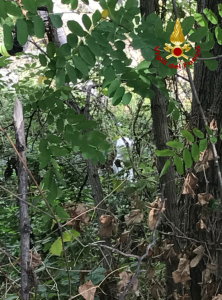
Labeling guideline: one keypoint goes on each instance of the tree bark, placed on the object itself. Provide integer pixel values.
(23, 206)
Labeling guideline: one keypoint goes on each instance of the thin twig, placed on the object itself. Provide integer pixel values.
(6, 276)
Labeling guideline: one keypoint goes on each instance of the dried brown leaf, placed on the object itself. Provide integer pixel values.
(213, 125)
(88, 290)
(78, 215)
(157, 290)
(201, 225)
(135, 217)
(150, 272)
(35, 259)
(155, 212)
(123, 239)
(195, 261)
(108, 226)
(204, 198)
(125, 279)
(190, 184)
(205, 156)
(218, 297)
(182, 274)
(199, 250)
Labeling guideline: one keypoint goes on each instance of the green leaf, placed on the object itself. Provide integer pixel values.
(126, 98)
(8, 39)
(56, 248)
(209, 131)
(179, 165)
(211, 16)
(80, 65)
(60, 125)
(165, 168)
(175, 144)
(198, 133)
(96, 17)
(62, 214)
(207, 46)
(51, 49)
(60, 78)
(87, 55)
(61, 62)
(72, 73)
(220, 9)
(187, 135)
(39, 27)
(118, 95)
(218, 33)
(56, 21)
(87, 124)
(195, 152)
(2, 9)
(201, 20)
(86, 21)
(44, 158)
(64, 50)
(30, 5)
(203, 145)
(13, 9)
(72, 40)
(59, 151)
(176, 114)
(94, 47)
(187, 158)
(54, 139)
(213, 139)
(43, 60)
(43, 145)
(113, 87)
(198, 35)
(50, 119)
(211, 64)
(70, 236)
(171, 107)
(97, 275)
(76, 28)
(148, 54)
(74, 4)
(86, 1)
(187, 25)
(22, 32)
(165, 152)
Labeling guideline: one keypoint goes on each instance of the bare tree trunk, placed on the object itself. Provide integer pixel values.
(23, 206)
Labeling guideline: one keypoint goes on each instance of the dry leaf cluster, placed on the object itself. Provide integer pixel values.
(204, 198)
(88, 290)
(125, 279)
(78, 215)
(182, 274)
(155, 212)
(135, 217)
(205, 157)
(108, 227)
(190, 184)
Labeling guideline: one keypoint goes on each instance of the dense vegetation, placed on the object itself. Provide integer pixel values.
(71, 227)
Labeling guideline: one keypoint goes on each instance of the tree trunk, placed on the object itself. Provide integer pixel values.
(161, 137)
(23, 206)
(208, 85)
